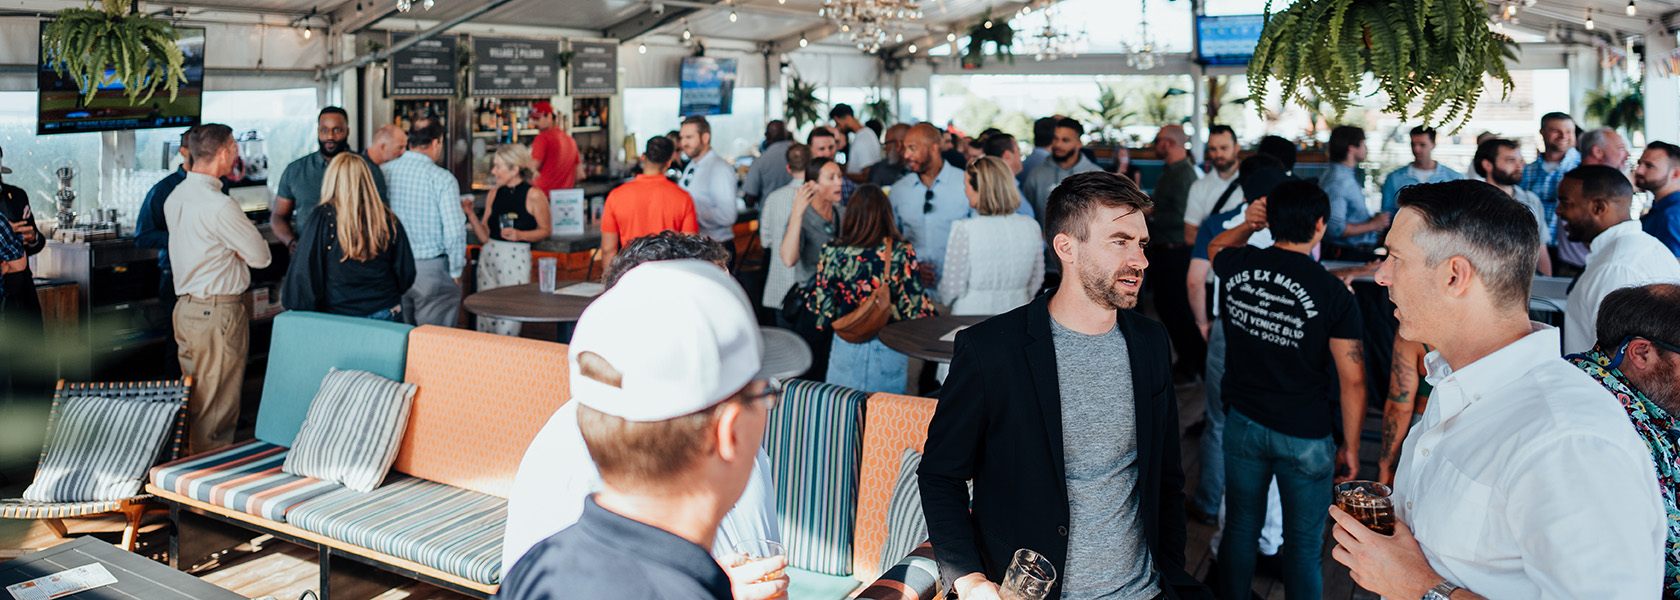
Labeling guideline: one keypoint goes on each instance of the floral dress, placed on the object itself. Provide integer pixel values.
(846, 275)
(1660, 430)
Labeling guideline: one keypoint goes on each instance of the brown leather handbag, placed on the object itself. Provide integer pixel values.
(866, 321)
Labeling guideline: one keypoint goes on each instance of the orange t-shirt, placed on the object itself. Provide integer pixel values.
(647, 205)
(555, 156)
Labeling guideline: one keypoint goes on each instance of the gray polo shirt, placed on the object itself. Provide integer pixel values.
(1046, 176)
(301, 183)
(769, 171)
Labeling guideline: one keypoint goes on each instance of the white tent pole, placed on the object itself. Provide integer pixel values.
(1662, 94)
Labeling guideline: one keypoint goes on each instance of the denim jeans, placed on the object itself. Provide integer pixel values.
(869, 367)
(1212, 450)
(1304, 469)
(393, 314)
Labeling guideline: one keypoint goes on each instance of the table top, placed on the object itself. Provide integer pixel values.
(528, 304)
(137, 576)
(919, 338)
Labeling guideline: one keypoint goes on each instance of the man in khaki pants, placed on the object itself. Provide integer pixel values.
(213, 247)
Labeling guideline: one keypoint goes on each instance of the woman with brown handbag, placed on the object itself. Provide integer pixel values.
(865, 279)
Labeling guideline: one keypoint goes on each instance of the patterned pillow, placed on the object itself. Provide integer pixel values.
(906, 525)
(101, 448)
(355, 424)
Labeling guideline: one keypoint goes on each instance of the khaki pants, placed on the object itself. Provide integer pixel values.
(214, 337)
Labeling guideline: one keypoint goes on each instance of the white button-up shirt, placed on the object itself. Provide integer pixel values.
(1525, 480)
(710, 180)
(1624, 255)
(1205, 193)
(212, 245)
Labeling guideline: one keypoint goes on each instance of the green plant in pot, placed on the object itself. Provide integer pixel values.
(1435, 53)
(1621, 107)
(879, 109)
(802, 106)
(996, 31)
(97, 47)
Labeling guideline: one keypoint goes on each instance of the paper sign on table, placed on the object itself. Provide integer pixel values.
(952, 336)
(62, 583)
(586, 290)
(566, 208)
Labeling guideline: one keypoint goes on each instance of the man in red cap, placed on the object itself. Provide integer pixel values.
(554, 153)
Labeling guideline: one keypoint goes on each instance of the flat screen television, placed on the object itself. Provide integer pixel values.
(708, 86)
(61, 108)
(1228, 40)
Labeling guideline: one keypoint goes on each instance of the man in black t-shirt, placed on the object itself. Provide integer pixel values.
(1298, 328)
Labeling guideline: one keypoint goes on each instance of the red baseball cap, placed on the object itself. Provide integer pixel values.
(542, 107)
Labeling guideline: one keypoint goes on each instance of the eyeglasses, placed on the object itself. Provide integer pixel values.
(772, 394)
(1621, 349)
(927, 205)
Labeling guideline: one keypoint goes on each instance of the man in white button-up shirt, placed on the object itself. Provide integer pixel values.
(1524, 478)
(1594, 207)
(710, 180)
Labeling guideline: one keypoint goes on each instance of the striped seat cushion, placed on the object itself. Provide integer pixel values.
(244, 477)
(24, 509)
(99, 449)
(914, 578)
(814, 443)
(352, 430)
(444, 527)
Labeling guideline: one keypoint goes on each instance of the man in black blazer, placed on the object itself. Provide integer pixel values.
(1062, 413)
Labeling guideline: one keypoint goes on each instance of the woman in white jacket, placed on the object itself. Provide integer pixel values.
(995, 260)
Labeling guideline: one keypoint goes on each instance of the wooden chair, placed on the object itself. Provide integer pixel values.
(577, 266)
(749, 254)
(133, 509)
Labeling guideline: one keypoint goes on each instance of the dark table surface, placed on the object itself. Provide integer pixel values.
(919, 338)
(528, 304)
(137, 576)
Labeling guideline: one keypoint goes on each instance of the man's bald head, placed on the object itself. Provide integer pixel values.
(926, 132)
(892, 142)
(1170, 143)
(921, 149)
(389, 141)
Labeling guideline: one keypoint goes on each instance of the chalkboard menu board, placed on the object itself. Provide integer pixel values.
(515, 67)
(594, 69)
(424, 70)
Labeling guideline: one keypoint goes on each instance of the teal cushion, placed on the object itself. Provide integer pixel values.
(814, 440)
(810, 585)
(305, 346)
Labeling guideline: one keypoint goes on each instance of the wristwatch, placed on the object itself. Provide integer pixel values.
(1441, 591)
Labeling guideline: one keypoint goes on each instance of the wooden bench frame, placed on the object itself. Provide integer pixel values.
(328, 547)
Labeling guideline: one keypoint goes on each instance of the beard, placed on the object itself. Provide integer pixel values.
(1099, 286)
(1063, 157)
(1506, 177)
(1662, 390)
(1223, 163)
(331, 148)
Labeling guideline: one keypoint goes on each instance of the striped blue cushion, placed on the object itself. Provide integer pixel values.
(101, 448)
(354, 427)
(814, 443)
(245, 477)
(444, 527)
(906, 526)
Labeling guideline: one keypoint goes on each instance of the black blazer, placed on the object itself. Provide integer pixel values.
(999, 424)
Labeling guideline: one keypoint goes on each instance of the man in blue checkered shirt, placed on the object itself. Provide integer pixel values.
(426, 198)
(12, 257)
(1557, 133)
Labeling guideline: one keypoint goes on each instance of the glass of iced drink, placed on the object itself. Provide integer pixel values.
(1029, 576)
(1369, 502)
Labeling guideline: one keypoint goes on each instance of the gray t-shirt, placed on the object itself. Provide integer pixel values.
(1107, 556)
(814, 233)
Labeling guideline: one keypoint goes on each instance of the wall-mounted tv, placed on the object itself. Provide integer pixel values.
(1228, 40)
(61, 107)
(708, 86)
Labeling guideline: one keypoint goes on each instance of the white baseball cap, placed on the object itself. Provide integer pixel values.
(682, 336)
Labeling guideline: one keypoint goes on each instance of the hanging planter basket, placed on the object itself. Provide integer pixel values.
(97, 47)
(802, 106)
(1433, 52)
(999, 33)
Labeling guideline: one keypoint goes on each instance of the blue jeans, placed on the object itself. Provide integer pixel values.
(1212, 450)
(1304, 469)
(869, 367)
(393, 314)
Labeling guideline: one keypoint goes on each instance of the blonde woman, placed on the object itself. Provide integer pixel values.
(352, 255)
(513, 218)
(994, 261)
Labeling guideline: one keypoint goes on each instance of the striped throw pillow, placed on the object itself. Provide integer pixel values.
(101, 448)
(355, 424)
(906, 525)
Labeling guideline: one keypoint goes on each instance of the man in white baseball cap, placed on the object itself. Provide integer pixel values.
(674, 381)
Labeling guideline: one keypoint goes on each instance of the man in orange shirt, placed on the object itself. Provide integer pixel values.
(648, 204)
(554, 153)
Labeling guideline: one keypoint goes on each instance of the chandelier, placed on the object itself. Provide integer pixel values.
(870, 23)
(1141, 54)
(1051, 42)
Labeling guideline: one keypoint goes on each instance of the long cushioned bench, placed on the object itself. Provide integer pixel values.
(441, 513)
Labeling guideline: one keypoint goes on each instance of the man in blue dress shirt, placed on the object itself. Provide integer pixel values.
(1659, 173)
(1423, 169)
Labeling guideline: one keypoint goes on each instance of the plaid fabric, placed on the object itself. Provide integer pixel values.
(24, 509)
(11, 248)
(814, 440)
(426, 200)
(916, 577)
(1544, 185)
(244, 477)
(443, 527)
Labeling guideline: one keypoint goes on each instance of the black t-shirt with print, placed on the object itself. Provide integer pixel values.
(1281, 309)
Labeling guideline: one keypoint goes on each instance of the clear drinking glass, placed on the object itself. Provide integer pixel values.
(1029, 576)
(1368, 501)
(756, 550)
(545, 274)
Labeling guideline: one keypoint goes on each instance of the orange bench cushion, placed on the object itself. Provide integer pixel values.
(482, 398)
(892, 424)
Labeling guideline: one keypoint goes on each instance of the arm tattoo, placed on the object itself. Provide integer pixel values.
(1402, 376)
(1391, 436)
(1356, 353)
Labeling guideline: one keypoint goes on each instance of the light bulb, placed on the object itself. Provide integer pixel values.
(427, 4)
(1589, 22)
(988, 23)
(802, 42)
(951, 37)
(641, 48)
(912, 48)
(687, 35)
(1510, 10)
(898, 38)
(307, 32)
(1631, 9)
(732, 17)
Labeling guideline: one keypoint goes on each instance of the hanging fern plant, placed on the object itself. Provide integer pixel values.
(802, 106)
(879, 109)
(998, 32)
(1433, 51)
(1622, 108)
(99, 46)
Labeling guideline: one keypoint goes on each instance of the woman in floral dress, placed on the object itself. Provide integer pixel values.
(849, 271)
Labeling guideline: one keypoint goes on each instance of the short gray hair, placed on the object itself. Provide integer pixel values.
(1492, 231)
(1594, 138)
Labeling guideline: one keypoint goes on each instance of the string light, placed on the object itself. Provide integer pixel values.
(307, 32)
(912, 48)
(988, 23)
(802, 42)
(641, 48)
(1589, 23)
(898, 38)
(732, 17)
(1631, 9)
(951, 37)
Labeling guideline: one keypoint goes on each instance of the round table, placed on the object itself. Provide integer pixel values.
(919, 338)
(528, 304)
